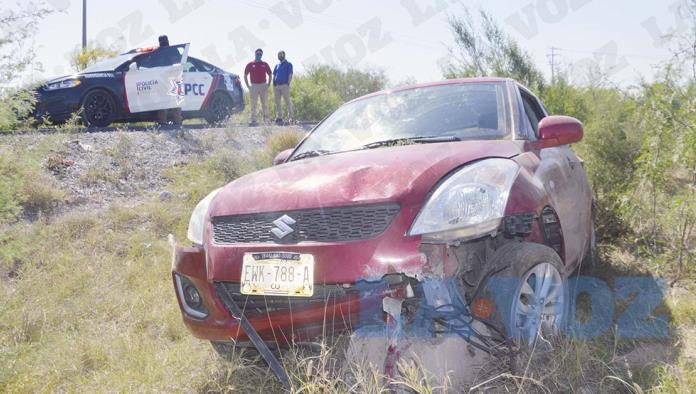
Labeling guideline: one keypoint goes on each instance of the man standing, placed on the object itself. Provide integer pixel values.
(164, 115)
(282, 76)
(259, 86)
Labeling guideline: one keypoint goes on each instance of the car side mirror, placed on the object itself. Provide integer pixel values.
(559, 130)
(282, 157)
(133, 66)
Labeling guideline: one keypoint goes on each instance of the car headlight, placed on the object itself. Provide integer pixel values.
(196, 225)
(65, 84)
(468, 203)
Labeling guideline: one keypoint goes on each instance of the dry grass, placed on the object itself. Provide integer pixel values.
(88, 306)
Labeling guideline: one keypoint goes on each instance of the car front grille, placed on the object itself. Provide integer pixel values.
(324, 295)
(337, 224)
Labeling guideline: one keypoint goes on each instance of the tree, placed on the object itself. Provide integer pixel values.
(17, 27)
(82, 58)
(319, 91)
(483, 49)
(348, 83)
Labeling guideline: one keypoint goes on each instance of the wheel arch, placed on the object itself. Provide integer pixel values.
(213, 93)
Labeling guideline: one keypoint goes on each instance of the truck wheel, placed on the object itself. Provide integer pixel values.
(528, 292)
(219, 109)
(98, 109)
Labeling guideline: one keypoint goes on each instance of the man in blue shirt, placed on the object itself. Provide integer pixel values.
(282, 76)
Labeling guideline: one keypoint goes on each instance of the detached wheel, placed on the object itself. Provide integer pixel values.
(98, 109)
(528, 292)
(219, 108)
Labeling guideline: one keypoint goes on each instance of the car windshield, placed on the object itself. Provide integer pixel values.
(459, 111)
(109, 64)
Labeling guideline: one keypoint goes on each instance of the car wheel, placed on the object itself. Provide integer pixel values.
(98, 109)
(219, 108)
(528, 292)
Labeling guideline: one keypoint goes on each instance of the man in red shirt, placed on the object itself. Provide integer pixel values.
(258, 88)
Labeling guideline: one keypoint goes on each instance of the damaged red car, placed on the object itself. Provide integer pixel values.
(464, 180)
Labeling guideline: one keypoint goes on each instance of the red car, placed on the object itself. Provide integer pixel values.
(463, 180)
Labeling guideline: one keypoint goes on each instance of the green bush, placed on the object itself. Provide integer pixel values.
(322, 89)
(17, 28)
(16, 106)
(312, 101)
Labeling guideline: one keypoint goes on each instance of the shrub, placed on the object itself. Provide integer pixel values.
(82, 58)
(40, 196)
(17, 27)
(322, 89)
(313, 101)
(282, 140)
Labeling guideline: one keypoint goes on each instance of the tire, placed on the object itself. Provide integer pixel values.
(219, 108)
(98, 109)
(526, 271)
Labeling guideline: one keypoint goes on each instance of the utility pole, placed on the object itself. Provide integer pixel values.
(552, 62)
(84, 24)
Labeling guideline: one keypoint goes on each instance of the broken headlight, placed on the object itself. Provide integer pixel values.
(468, 203)
(196, 225)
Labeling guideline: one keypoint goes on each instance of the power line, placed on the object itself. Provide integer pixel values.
(552, 62)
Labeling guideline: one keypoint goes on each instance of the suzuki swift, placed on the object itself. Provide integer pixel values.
(463, 180)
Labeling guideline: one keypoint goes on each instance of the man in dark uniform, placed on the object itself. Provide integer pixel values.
(173, 113)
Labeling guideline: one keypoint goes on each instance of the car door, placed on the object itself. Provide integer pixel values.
(198, 81)
(563, 175)
(154, 80)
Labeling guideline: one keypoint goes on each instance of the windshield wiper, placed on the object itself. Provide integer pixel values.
(411, 140)
(310, 153)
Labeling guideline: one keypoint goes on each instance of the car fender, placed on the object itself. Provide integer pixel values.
(529, 195)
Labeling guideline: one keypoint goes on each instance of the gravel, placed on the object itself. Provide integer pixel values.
(96, 169)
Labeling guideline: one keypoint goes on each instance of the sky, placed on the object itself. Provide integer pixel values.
(408, 39)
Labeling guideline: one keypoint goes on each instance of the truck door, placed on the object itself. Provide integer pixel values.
(198, 82)
(154, 80)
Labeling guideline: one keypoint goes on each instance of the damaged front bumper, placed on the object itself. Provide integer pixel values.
(334, 308)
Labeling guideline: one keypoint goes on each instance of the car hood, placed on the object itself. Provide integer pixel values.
(403, 174)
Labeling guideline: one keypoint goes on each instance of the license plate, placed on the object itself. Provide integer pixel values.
(277, 273)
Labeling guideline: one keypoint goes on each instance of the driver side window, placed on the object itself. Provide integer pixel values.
(533, 110)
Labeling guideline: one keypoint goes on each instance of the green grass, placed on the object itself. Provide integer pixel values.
(88, 306)
(25, 188)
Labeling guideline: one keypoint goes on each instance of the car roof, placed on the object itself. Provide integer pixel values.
(457, 81)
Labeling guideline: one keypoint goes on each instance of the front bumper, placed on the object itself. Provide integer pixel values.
(57, 105)
(333, 309)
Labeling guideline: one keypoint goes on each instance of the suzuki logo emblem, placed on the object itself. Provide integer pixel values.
(282, 226)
